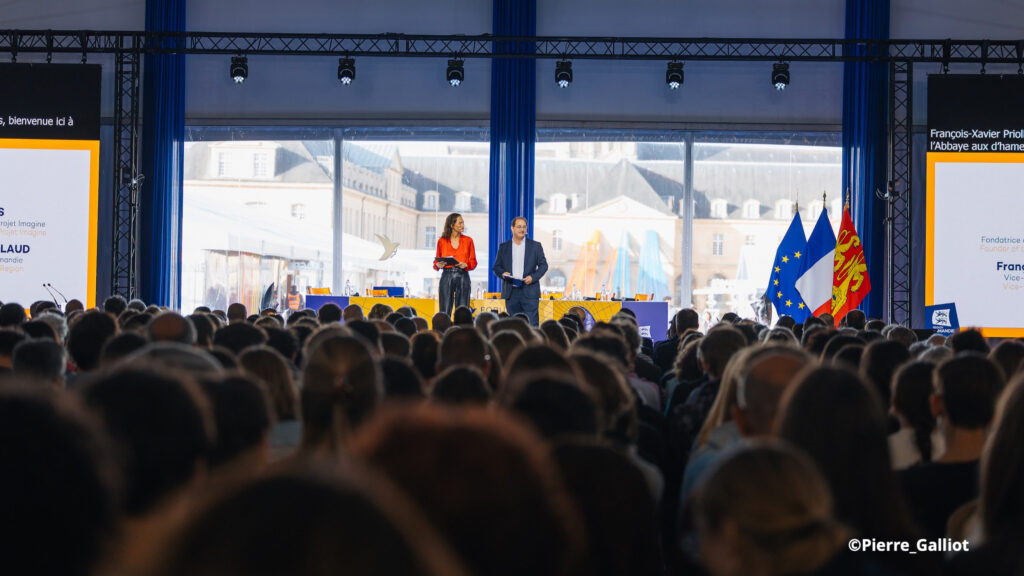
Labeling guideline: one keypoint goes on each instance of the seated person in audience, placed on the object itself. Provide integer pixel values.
(41, 359)
(171, 327)
(163, 429)
(463, 345)
(311, 522)
(351, 312)
(554, 403)
(1008, 355)
(272, 368)
(237, 313)
(835, 417)
(714, 352)
(969, 340)
(9, 338)
(1001, 505)
(459, 385)
(665, 352)
(86, 338)
(918, 438)
(58, 482)
(488, 456)
(792, 531)
(963, 400)
(341, 387)
(12, 315)
(242, 417)
(880, 361)
(758, 378)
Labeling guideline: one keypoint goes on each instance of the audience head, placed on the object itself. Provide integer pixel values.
(440, 323)
(425, 349)
(331, 312)
(744, 532)
(12, 314)
(1001, 506)
(464, 345)
(351, 312)
(401, 379)
(379, 312)
(115, 304)
(880, 361)
(903, 335)
(463, 316)
(41, 359)
(162, 427)
(507, 343)
(855, 319)
(59, 484)
(268, 365)
(911, 389)
(966, 388)
(405, 326)
(171, 327)
(555, 404)
(685, 319)
(533, 530)
(968, 341)
(312, 522)
(87, 337)
(717, 347)
(460, 385)
(242, 416)
(395, 344)
(835, 417)
(237, 313)
(341, 386)
(764, 377)
(37, 329)
(239, 336)
(1008, 355)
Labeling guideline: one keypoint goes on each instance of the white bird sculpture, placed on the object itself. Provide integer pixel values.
(390, 248)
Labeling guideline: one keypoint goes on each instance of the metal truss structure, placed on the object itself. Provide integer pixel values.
(900, 55)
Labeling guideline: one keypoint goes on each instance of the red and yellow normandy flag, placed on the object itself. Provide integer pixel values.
(850, 282)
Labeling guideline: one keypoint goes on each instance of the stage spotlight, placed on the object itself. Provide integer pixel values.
(239, 69)
(780, 75)
(456, 71)
(563, 73)
(674, 75)
(346, 70)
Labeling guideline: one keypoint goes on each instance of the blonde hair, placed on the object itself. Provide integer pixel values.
(780, 506)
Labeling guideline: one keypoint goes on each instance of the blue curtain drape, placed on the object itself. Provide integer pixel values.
(513, 114)
(163, 149)
(865, 141)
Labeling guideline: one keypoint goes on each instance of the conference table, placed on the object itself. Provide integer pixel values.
(652, 317)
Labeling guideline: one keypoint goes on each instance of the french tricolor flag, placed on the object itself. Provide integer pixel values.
(818, 265)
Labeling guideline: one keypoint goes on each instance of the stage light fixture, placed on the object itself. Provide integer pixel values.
(563, 73)
(780, 75)
(346, 70)
(674, 75)
(456, 71)
(239, 69)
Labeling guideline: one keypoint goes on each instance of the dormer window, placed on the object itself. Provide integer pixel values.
(463, 202)
(719, 208)
(430, 200)
(558, 204)
(783, 210)
(752, 209)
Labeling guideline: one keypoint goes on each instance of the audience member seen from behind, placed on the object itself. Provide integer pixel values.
(963, 401)
(270, 367)
(496, 496)
(918, 438)
(1001, 505)
(743, 530)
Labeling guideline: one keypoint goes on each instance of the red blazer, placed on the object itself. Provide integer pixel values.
(465, 252)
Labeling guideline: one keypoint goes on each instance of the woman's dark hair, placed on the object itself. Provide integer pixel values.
(833, 416)
(425, 347)
(878, 364)
(911, 390)
(449, 222)
(1002, 471)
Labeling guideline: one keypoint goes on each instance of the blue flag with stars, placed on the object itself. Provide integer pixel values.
(788, 259)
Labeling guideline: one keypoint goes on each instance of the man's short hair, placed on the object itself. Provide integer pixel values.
(115, 304)
(171, 327)
(39, 358)
(331, 312)
(463, 345)
(237, 312)
(162, 426)
(518, 218)
(856, 319)
(12, 314)
(237, 337)
(241, 411)
(969, 384)
(88, 335)
(686, 319)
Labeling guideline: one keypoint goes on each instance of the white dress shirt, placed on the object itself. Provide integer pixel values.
(518, 258)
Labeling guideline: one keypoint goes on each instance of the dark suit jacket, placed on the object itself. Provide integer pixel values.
(535, 265)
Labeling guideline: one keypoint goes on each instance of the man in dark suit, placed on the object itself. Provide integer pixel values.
(520, 264)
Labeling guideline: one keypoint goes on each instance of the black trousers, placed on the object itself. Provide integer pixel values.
(453, 291)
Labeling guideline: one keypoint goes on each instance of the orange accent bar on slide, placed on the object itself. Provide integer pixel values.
(93, 147)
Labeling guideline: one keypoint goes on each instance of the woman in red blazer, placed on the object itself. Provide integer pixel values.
(455, 288)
